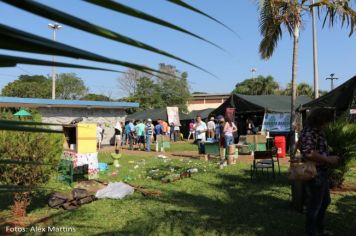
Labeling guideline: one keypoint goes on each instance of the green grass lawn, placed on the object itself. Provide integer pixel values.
(211, 202)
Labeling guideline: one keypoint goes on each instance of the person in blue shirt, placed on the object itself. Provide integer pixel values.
(125, 139)
(130, 133)
(158, 130)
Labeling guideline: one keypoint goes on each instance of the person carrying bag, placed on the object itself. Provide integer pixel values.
(314, 150)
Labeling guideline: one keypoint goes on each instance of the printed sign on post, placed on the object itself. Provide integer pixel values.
(173, 115)
(279, 122)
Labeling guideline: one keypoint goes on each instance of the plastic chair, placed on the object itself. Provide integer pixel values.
(262, 160)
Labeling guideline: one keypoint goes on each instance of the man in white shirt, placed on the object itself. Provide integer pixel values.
(211, 128)
(200, 130)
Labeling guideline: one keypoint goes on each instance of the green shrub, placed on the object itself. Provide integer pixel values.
(341, 138)
(37, 156)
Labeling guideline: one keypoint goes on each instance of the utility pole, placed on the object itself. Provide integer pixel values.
(54, 27)
(253, 71)
(315, 57)
(331, 78)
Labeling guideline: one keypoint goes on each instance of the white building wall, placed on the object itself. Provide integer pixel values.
(64, 115)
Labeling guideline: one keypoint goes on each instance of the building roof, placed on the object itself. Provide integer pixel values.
(211, 95)
(338, 98)
(205, 113)
(39, 102)
(259, 103)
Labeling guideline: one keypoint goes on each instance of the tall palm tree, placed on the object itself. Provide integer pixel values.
(275, 14)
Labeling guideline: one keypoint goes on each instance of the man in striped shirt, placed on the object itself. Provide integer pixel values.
(149, 133)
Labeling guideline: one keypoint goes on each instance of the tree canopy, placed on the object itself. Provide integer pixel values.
(28, 86)
(171, 89)
(257, 86)
(95, 97)
(68, 86)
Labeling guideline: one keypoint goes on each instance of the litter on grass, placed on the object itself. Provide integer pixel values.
(116, 190)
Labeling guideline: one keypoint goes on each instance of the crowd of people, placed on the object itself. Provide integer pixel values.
(220, 129)
(140, 134)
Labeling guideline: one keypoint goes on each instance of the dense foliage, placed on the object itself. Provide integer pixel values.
(341, 138)
(68, 86)
(95, 97)
(171, 89)
(27, 161)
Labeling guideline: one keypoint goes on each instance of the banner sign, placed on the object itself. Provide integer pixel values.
(278, 122)
(352, 111)
(173, 115)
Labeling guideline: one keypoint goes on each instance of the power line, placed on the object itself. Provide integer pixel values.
(26, 71)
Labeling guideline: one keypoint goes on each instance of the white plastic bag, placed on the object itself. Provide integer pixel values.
(116, 190)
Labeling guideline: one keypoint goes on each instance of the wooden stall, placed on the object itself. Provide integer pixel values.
(80, 151)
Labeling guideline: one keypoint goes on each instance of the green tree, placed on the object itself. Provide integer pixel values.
(289, 13)
(148, 94)
(70, 86)
(257, 86)
(27, 160)
(95, 97)
(174, 88)
(28, 86)
(303, 89)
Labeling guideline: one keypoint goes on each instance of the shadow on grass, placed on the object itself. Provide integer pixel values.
(249, 209)
(343, 222)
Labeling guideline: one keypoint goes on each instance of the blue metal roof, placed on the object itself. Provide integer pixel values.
(39, 102)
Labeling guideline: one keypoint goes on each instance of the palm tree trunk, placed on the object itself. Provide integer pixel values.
(294, 89)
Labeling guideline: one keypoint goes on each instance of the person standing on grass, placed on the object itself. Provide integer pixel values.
(313, 146)
(200, 130)
(229, 130)
(171, 128)
(118, 133)
(164, 127)
(211, 128)
(99, 135)
(176, 133)
(219, 128)
(191, 130)
(158, 130)
(149, 132)
(140, 134)
(131, 133)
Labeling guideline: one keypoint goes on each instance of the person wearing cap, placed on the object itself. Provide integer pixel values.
(149, 132)
(211, 128)
(200, 130)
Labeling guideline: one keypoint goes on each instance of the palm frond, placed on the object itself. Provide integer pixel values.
(118, 7)
(270, 30)
(60, 16)
(9, 188)
(338, 10)
(11, 61)
(21, 162)
(15, 39)
(20, 122)
(191, 8)
(13, 127)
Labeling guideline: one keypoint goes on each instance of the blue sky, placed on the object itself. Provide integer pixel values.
(336, 50)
